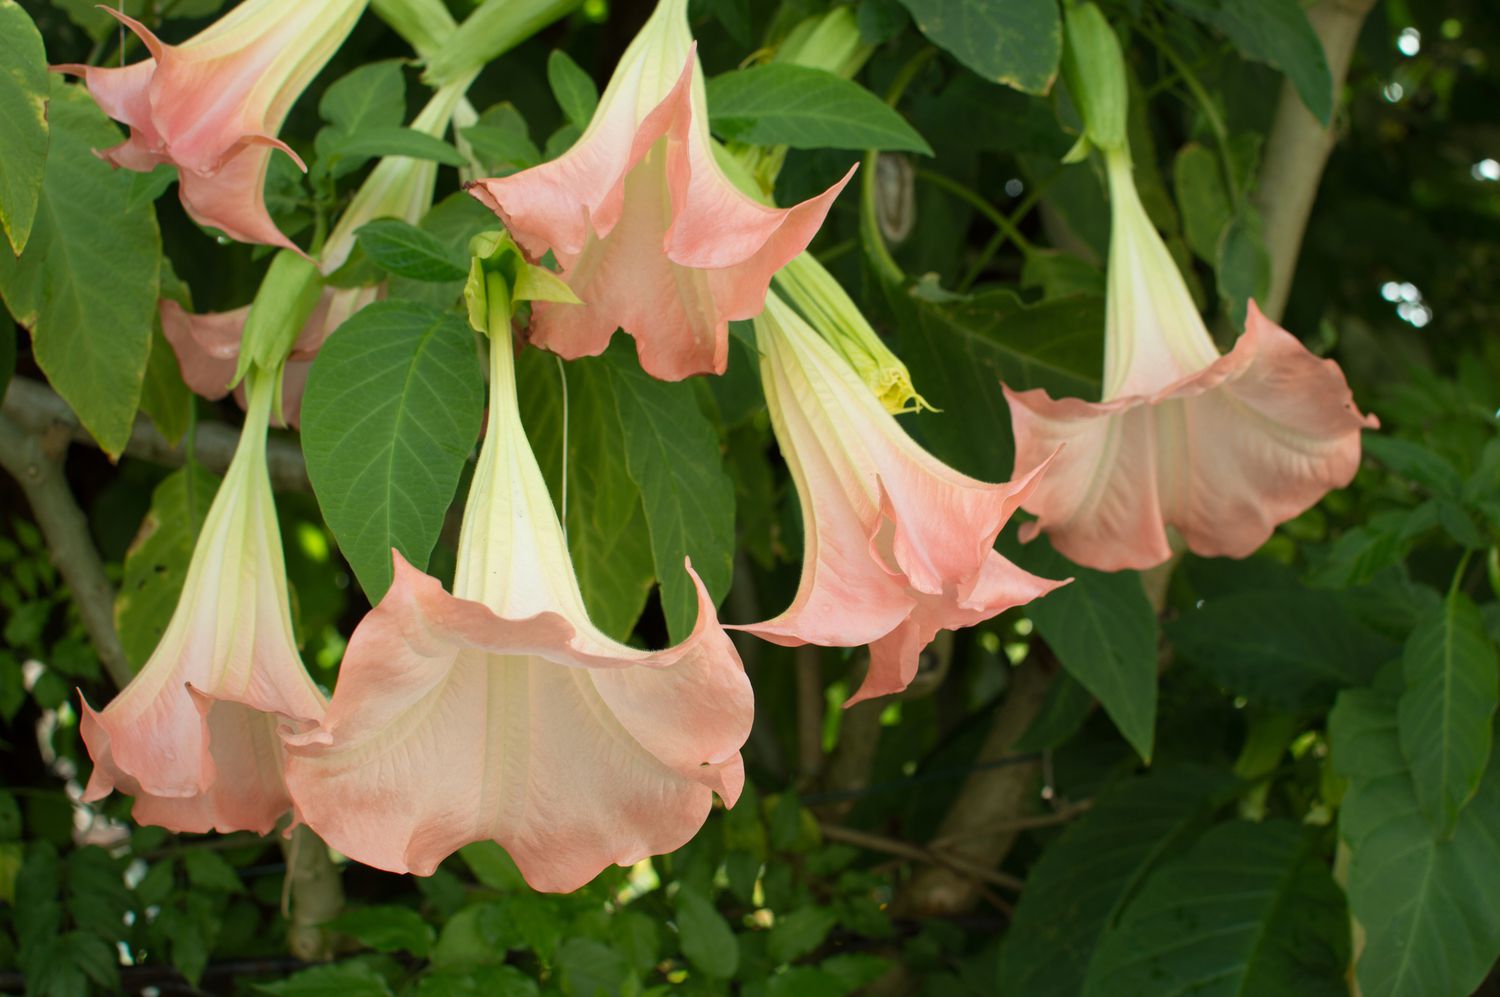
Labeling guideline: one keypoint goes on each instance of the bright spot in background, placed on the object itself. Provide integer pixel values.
(1013, 187)
(1394, 92)
(1485, 169)
(1407, 298)
(1452, 29)
(1409, 41)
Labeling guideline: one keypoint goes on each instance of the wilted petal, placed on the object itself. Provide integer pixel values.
(502, 713)
(650, 234)
(897, 544)
(1223, 456)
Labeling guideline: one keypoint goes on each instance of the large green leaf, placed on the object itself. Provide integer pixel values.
(400, 248)
(1017, 43)
(605, 521)
(23, 122)
(1287, 646)
(574, 89)
(1102, 628)
(707, 940)
(784, 104)
(1085, 878)
(1429, 908)
(960, 351)
(372, 96)
(1201, 199)
(156, 563)
(392, 410)
(1277, 33)
(86, 285)
(672, 454)
(1446, 713)
(1250, 911)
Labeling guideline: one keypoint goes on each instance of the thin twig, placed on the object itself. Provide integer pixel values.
(35, 407)
(35, 461)
(809, 671)
(905, 849)
(1063, 815)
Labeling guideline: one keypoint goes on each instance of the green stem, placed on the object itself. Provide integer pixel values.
(907, 73)
(998, 240)
(1205, 104)
(981, 205)
(876, 250)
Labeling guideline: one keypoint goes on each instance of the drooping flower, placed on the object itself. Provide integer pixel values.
(502, 713)
(213, 105)
(193, 736)
(650, 234)
(1219, 449)
(897, 544)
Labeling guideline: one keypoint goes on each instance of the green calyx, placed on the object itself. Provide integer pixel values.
(500, 278)
(286, 300)
(1094, 67)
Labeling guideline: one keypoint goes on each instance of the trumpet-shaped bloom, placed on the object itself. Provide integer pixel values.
(207, 345)
(1218, 448)
(500, 712)
(650, 233)
(897, 544)
(193, 736)
(212, 106)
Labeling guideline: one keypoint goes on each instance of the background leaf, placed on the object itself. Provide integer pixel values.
(24, 90)
(88, 298)
(784, 104)
(1251, 909)
(1017, 43)
(575, 91)
(385, 478)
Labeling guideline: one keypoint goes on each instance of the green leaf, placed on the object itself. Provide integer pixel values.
(1446, 713)
(492, 866)
(156, 563)
(672, 454)
(1277, 33)
(589, 968)
(1084, 878)
(575, 91)
(86, 285)
(1243, 267)
(207, 870)
(23, 122)
(346, 151)
(784, 104)
(1417, 463)
(502, 150)
(1063, 712)
(1017, 43)
(165, 399)
(707, 941)
(406, 251)
(1102, 628)
(796, 934)
(372, 96)
(386, 929)
(1286, 647)
(960, 351)
(347, 979)
(1201, 199)
(1429, 908)
(606, 522)
(392, 410)
(1251, 909)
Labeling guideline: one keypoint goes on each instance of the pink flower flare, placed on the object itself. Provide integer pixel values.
(193, 736)
(650, 233)
(1219, 449)
(501, 712)
(212, 106)
(897, 544)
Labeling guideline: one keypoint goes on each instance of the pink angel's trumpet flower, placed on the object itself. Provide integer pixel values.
(1219, 449)
(502, 713)
(897, 544)
(212, 106)
(193, 736)
(207, 345)
(650, 233)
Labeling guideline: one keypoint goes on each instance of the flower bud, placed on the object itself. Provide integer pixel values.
(1094, 68)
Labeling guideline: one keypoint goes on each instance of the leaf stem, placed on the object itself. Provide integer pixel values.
(1205, 105)
(998, 240)
(980, 204)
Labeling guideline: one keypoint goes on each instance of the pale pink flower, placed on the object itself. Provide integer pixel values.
(212, 106)
(650, 233)
(193, 736)
(897, 545)
(1219, 449)
(502, 713)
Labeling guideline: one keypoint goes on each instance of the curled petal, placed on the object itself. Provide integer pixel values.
(1222, 456)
